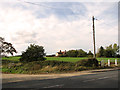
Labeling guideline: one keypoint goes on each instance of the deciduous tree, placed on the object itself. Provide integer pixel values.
(6, 48)
(33, 53)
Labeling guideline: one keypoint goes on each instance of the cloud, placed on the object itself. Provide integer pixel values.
(22, 26)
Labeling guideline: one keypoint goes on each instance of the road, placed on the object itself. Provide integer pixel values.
(107, 79)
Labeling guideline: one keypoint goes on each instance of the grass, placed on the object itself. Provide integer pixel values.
(75, 59)
(12, 58)
(66, 59)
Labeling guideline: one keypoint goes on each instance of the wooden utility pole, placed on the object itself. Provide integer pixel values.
(94, 56)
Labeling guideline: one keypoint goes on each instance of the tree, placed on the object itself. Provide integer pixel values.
(72, 53)
(6, 48)
(110, 52)
(33, 53)
(101, 52)
(81, 53)
(90, 54)
(116, 49)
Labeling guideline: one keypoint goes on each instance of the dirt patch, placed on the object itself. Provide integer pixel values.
(22, 77)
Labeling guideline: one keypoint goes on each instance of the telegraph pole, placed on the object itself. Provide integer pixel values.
(94, 56)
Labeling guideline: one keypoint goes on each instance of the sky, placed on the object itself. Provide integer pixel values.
(58, 25)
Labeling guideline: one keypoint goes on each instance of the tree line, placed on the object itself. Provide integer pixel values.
(38, 51)
(77, 53)
(109, 51)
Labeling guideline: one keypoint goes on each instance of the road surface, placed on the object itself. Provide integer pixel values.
(106, 79)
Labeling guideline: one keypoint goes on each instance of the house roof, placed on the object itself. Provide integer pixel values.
(60, 52)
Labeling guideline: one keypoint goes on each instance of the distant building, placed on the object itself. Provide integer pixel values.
(60, 53)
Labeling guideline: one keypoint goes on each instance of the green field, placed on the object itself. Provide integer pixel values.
(12, 58)
(67, 59)
(75, 59)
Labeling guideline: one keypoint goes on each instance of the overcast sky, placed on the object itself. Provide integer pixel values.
(58, 25)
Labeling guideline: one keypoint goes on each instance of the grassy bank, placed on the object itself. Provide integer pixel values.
(38, 67)
(48, 66)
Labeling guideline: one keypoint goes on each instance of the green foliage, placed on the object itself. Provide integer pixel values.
(37, 67)
(109, 51)
(81, 53)
(101, 52)
(87, 62)
(72, 53)
(66, 59)
(11, 58)
(115, 47)
(76, 53)
(33, 53)
(41, 66)
(90, 54)
(6, 48)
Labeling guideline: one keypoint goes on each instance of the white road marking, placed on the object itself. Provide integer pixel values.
(54, 86)
(89, 80)
(97, 79)
(103, 77)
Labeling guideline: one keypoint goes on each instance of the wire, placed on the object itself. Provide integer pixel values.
(49, 7)
(43, 5)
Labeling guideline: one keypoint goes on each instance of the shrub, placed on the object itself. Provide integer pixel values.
(33, 53)
(87, 62)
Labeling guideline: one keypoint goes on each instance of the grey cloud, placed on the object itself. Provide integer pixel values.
(30, 41)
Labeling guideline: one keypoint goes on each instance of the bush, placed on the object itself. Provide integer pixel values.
(87, 63)
(33, 53)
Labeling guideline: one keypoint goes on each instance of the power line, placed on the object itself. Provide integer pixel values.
(43, 5)
(49, 7)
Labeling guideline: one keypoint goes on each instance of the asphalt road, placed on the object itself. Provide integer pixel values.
(107, 79)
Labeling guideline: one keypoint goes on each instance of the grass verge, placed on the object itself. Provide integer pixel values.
(51, 66)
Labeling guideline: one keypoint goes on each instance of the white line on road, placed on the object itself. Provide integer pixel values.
(54, 86)
(89, 80)
(97, 79)
(103, 77)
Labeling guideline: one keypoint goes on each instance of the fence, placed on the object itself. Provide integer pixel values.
(102, 63)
